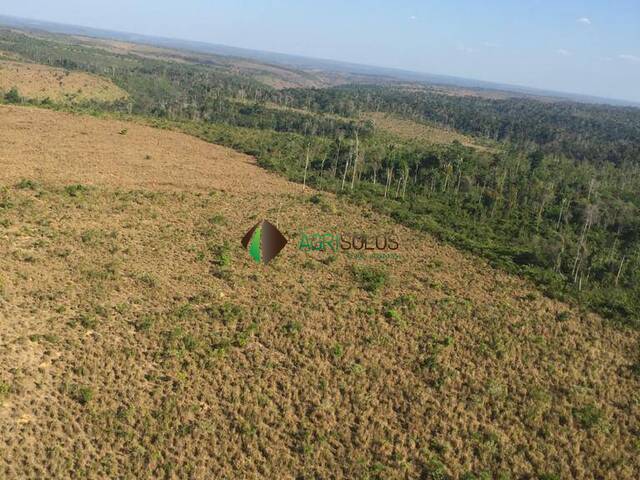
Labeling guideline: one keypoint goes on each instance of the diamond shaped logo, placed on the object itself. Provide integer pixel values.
(264, 242)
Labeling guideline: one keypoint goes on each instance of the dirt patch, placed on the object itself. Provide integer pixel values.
(139, 340)
(411, 130)
(39, 82)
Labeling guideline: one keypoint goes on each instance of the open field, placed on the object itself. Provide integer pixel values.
(138, 339)
(120, 155)
(39, 82)
(410, 130)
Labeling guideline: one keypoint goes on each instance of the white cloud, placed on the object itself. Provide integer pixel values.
(629, 58)
(584, 21)
(563, 52)
(490, 45)
(465, 49)
(413, 18)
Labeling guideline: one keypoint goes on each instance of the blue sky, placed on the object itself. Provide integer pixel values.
(589, 47)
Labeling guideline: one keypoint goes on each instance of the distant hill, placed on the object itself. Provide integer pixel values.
(344, 70)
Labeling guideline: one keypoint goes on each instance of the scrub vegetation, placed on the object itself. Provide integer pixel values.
(140, 340)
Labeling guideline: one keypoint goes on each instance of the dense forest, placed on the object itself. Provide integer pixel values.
(584, 132)
(556, 199)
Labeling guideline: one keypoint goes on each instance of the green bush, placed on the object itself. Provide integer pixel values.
(75, 190)
(588, 416)
(26, 184)
(5, 389)
(371, 279)
(82, 394)
(13, 96)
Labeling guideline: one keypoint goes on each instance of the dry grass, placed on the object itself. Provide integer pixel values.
(70, 149)
(38, 82)
(138, 339)
(411, 130)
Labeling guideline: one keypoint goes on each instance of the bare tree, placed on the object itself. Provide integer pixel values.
(588, 221)
(355, 162)
(306, 167)
(346, 167)
(389, 175)
(620, 270)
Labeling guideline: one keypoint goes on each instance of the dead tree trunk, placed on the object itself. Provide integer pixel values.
(620, 270)
(324, 159)
(564, 201)
(355, 164)
(335, 166)
(386, 188)
(398, 187)
(579, 254)
(404, 187)
(344, 175)
(306, 167)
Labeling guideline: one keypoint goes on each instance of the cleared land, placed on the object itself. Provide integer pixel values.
(138, 339)
(411, 130)
(39, 82)
(275, 76)
(72, 149)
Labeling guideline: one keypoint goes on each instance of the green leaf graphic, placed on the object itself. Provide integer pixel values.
(255, 246)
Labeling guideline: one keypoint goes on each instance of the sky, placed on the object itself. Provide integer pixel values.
(588, 47)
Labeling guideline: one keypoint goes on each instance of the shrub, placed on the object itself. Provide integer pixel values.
(394, 315)
(13, 96)
(292, 328)
(149, 280)
(337, 350)
(223, 255)
(433, 468)
(588, 416)
(144, 323)
(82, 394)
(75, 190)
(371, 279)
(26, 185)
(5, 389)
(230, 313)
(88, 321)
(315, 199)
(217, 219)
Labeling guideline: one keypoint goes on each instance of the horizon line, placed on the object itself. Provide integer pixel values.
(491, 84)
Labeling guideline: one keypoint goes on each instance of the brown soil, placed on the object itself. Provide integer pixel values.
(38, 82)
(134, 344)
